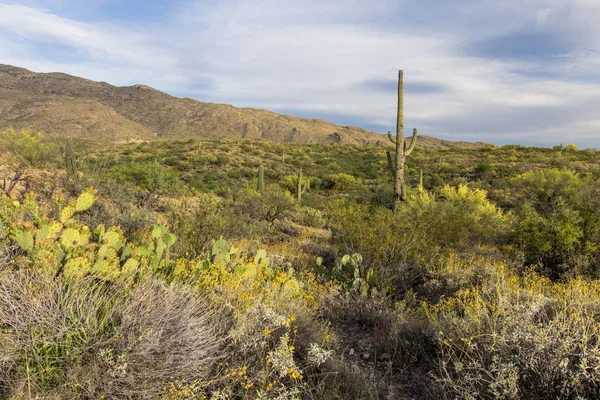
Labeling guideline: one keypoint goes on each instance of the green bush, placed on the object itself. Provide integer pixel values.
(198, 220)
(386, 241)
(559, 221)
(339, 181)
(395, 244)
(150, 180)
(313, 217)
(459, 218)
(571, 148)
(31, 148)
(271, 204)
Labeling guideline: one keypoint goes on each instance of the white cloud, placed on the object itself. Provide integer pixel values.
(100, 43)
(314, 55)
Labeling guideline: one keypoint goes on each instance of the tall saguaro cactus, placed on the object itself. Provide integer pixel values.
(396, 164)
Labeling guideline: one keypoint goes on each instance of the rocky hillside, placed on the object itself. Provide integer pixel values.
(63, 105)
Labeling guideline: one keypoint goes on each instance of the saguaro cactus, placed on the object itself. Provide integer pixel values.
(70, 159)
(396, 165)
(261, 179)
(301, 189)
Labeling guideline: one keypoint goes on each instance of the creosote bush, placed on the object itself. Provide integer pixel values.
(198, 220)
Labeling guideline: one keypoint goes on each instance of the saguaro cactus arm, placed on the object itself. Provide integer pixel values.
(413, 143)
(392, 138)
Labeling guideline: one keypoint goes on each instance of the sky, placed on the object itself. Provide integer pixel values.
(501, 71)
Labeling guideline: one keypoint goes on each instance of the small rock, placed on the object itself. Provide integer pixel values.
(351, 352)
(384, 357)
(329, 365)
(366, 356)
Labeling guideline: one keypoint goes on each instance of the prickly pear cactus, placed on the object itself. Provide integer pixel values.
(48, 231)
(220, 253)
(130, 267)
(85, 200)
(66, 214)
(261, 258)
(113, 238)
(76, 267)
(350, 270)
(69, 248)
(23, 237)
(160, 246)
(70, 238)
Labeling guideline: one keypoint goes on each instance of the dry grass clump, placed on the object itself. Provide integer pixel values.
(87, 339)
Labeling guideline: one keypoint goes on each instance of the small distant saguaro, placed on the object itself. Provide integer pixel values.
(260, 187)
(70, 159)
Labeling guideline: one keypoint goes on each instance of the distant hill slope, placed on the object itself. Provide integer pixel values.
(63, 105)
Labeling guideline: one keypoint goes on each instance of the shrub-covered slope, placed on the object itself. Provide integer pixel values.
(178, 276)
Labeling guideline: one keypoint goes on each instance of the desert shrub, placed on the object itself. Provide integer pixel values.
(571, 148)
(278, 345)
(33, 149)
(459, 218)
(117, 206)
(47, 326)
(313, 217)
(198, 220)
(511, 337)
(398, 327)
(484, 167)
(398, 245)
(290, 182)
(149, 179)
(559, 221)
(386, 241)
(271, 204)
(339, 181)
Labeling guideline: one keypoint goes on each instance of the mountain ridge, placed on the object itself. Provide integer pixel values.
(60, 105)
